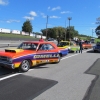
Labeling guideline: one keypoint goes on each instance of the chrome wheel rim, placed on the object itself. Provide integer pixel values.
(25, 65)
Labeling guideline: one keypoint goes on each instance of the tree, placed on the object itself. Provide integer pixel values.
(61, 32)
(27, 27)
(97, 30)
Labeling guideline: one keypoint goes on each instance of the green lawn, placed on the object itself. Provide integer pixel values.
(97, 40)
(15, 36)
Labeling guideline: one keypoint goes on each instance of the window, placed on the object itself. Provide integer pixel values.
(50, 47)
(28, 46)
(46, 47)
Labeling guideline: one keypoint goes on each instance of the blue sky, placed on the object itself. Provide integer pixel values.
(13, 13)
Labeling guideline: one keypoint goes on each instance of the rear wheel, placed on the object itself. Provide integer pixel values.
(59, 58)
(25, 66)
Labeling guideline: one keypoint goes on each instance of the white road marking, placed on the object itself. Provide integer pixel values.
(9, 76)
(75, 54)
(1, 79)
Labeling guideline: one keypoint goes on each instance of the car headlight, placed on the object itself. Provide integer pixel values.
(9, 60)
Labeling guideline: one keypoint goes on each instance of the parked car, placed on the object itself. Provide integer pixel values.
(51, 39)
(72, 47)
(31, 53)
(86, 45)
(96, 48)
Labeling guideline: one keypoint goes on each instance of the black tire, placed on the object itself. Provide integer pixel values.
(25, 66)
(59, 58)
(94, 51)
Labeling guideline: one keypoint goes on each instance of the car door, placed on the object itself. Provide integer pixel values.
(53, 52)
(46, 53)
(41, 54)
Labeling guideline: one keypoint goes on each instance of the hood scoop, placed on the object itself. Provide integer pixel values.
(13, 50)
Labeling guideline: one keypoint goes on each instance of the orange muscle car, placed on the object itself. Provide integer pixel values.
(86, 45)
(31, 53)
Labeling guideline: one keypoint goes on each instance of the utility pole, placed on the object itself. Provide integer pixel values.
(65, 30)
(46, 27)
(92, 33)
(69, 18)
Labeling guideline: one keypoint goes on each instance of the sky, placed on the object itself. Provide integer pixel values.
(83, 14)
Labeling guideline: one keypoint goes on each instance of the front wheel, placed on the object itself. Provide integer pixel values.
(25, 66)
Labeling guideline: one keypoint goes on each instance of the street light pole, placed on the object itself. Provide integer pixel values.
(65, 30)
(69, 18)
(92, 33)
(46, 27)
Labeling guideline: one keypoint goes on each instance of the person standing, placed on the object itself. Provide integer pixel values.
(80, 44)
(58, 39)
(41, 40)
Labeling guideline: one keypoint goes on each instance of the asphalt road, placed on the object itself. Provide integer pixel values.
(76, 77)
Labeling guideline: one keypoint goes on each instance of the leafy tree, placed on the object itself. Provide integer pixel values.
(60, 32)
(27, 27)
(97, 30)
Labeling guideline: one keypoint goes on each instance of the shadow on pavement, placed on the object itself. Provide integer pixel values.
(93, 92)
(22, 87)
(91, 51)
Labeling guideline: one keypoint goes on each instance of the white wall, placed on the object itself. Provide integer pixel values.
(24, 33)
(38, 36)
(44, 37)
(15, 32)
(5, 30)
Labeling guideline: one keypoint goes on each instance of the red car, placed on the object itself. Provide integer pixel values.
(86, 45)
(31, 53)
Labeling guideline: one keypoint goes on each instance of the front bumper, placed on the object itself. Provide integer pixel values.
(6, 64)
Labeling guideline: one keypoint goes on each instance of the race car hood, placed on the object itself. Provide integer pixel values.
(14, 50)
(13, 53)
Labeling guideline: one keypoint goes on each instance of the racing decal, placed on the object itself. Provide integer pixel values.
(46, 56)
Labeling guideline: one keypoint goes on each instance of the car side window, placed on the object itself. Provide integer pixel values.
(42, 47)
(49, 47)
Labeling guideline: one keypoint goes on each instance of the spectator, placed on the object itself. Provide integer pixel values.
(80, 44)
(41, 40)
(58, 40)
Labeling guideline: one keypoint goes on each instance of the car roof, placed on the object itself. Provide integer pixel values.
(39, 42)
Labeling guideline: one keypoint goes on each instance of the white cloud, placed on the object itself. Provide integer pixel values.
(54, 17)
(32, 13)
(93, 23)
(29, 18)
(10, 21)
(92, 28)
(43, 15)
(64, 12)
(56, 8)
(3, 2)
(49, 7)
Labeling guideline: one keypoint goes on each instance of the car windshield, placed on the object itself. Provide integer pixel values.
(50, 39)
(28, 46)
(61, 44)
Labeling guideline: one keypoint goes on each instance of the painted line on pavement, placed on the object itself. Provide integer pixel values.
(9, 76)
(75, 54)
